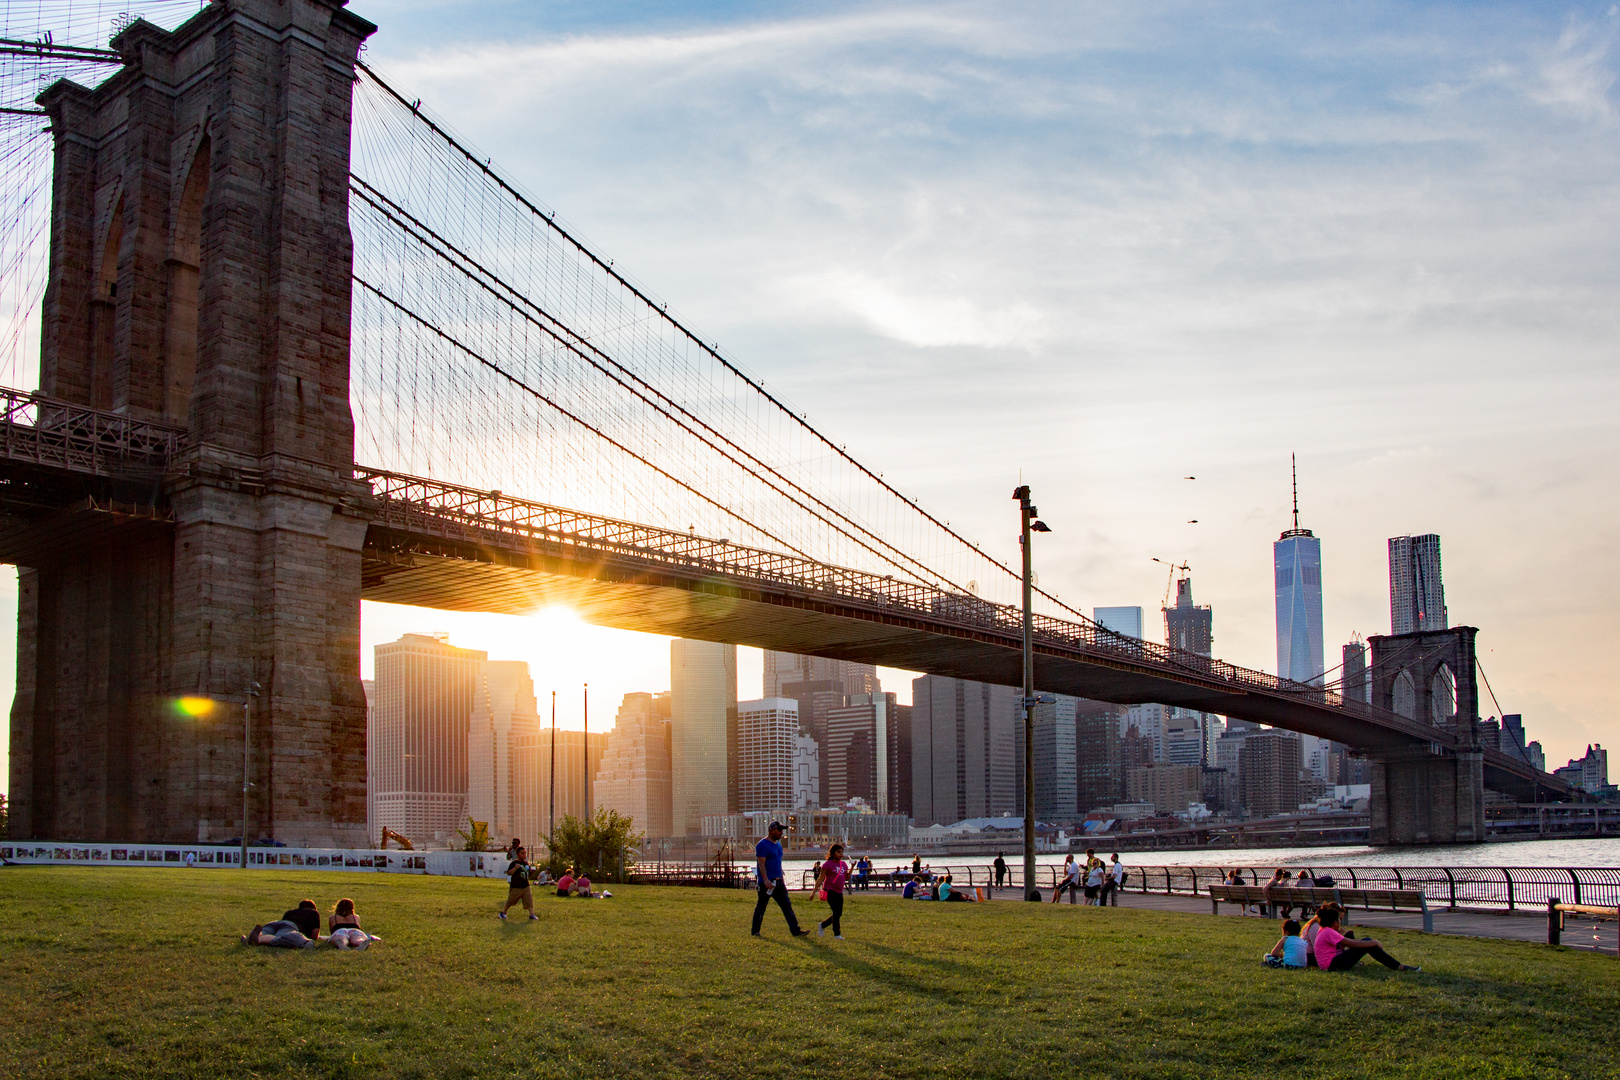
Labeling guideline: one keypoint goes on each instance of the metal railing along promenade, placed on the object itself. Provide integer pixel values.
(1474, 888)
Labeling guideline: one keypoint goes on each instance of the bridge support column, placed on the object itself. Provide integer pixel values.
(1420, 798)
(200, 278)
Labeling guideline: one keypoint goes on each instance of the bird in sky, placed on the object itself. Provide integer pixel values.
(1189, 477)
(1194, 521)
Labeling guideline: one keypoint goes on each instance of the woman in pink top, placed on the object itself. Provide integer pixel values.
(834, 873)
(1335, 952)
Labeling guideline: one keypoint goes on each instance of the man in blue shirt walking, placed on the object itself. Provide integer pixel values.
(772, 885)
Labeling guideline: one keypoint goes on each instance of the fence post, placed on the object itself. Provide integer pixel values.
(1349, 869)
(1194, 870)
(1509, 878)
(1555, 921)
(1576, 881)
(1452, 881)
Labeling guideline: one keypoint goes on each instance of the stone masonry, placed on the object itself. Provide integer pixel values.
(200, 275)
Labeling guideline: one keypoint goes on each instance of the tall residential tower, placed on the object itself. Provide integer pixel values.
(1417, 598)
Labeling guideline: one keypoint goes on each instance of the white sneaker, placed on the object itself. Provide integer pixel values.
(838, 937)
(821, 931)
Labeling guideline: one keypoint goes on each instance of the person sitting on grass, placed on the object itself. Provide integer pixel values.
(949, 892)
(299, 928)
(1291, 951)
(565, 884)
(343, 928)
(911, 887)
(582, 885)
(1338, 952)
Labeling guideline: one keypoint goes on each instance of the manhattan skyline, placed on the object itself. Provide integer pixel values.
(1169, 247)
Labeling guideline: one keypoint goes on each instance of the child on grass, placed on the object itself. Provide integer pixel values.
(1291, 951)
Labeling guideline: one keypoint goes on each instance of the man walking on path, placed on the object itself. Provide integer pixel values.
(772, 886)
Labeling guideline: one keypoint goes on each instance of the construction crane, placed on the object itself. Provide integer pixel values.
(389, 834)
(1170, 582)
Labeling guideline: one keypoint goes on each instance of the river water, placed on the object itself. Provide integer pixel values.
(1539, 853)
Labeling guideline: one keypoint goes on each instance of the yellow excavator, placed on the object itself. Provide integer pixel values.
(390, 834)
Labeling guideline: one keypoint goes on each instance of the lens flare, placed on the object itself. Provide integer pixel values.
(194, 707)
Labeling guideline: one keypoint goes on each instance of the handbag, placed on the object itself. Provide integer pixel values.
(821, 894)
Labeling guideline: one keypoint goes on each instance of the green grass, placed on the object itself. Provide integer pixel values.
(137, 972)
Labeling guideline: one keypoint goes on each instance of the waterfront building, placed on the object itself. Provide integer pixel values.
(1417, 596)
(767, 733)
(1098, 754)
(1170, 788)
(1121, 620)
(418, 738)
(703, 732)
(1269, 766)
(503, 711)
(634, 778)
(1589, 772)
(967, 745)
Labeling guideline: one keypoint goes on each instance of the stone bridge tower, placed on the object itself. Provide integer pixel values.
(1423, 797)
(200, 277)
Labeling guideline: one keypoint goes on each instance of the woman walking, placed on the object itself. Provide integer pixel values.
(832, 876)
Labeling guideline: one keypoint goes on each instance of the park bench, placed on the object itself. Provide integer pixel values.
(1264, 897)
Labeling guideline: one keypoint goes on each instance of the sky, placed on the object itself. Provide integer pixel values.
(1100, 249)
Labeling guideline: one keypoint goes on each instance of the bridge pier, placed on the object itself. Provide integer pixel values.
(200, 279)
(1423, 798)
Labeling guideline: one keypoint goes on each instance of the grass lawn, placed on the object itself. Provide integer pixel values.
(137, 972)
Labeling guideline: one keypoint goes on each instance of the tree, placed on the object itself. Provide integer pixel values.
(476, 836)
(599, 841)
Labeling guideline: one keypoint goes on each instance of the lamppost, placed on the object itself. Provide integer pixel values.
(248, 694)
(1029, 521)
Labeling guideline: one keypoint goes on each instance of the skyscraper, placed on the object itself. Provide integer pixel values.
(634, 775)
(1099, 779)
(782, 668)
(767, 733)
(1121, 620)
(703, 732)
(1353, 681)
(1189, 735)
(1417, 597)
(1297, 560)
(966, 738)
(1056, 747)
(1269, 765)
(503, 711)
(424, 701)
(532, 757)
(860, 755)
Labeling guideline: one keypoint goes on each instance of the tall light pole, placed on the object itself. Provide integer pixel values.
(585, 748)
(248, 694)
(1029, 522)
(551, 774)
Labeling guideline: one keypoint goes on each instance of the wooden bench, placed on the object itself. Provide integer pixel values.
(1556, 910)
(1266, 897)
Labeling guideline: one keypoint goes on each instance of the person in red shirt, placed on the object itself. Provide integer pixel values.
(565, 884)
(834, 874)
(1336, 952)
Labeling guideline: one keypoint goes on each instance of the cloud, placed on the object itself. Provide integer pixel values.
(1575, 74)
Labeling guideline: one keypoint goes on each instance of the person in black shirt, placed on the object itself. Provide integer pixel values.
(1001, 869)
(299, 928)
(518, 873)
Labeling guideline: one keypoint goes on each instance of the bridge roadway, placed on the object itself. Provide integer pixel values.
(72, 476)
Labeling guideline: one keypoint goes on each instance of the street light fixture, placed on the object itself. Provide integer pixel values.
(1030, 522)
(250, 692)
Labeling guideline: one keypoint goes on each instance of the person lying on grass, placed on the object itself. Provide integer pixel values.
(299, 928)
(1291, 951)
(343, 928)
(1336, 952)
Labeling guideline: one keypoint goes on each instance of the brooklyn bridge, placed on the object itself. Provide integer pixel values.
(300, 346)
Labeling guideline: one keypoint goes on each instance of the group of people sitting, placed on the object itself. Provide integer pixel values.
(522, 876)
(300, 928)
(1100, 881)
(1320, 944)
(918, 888)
